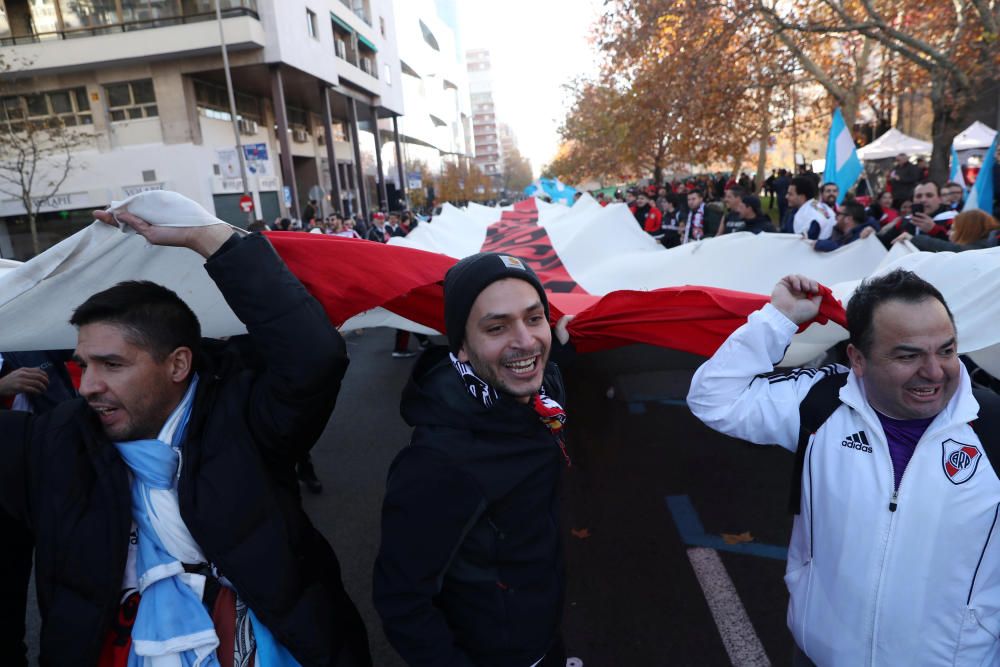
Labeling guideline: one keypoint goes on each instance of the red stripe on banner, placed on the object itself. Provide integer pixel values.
(518, 233)
(349, 277)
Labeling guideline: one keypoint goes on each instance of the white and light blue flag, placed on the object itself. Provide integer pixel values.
(559, 192)
(955, 175)
(842, 164)
(981, 194)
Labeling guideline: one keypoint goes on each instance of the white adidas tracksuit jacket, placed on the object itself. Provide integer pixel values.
(916, 586)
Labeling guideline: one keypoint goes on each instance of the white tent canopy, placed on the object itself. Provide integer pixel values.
(977, 135)
(891, 144)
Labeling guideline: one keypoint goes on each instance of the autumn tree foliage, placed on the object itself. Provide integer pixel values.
(698, 81)
(681, 84)
(949, 49)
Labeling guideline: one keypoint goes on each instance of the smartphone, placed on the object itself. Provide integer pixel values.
(917, 208)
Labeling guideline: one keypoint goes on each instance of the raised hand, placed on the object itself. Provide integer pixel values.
(203, 240)
(24, 381)
(797, 298)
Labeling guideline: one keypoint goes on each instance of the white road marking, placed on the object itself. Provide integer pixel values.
(738, 636)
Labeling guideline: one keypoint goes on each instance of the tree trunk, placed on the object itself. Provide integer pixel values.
(949, 120)
(34, 233)
(763, 137)
(661, 151)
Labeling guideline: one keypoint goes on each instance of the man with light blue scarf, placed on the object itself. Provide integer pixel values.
(164, 502)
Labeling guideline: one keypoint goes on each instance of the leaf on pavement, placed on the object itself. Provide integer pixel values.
(583, 533)
(731, 538)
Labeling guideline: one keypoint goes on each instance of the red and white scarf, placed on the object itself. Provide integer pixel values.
(549, 411)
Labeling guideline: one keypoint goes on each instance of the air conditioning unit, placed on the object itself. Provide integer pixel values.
(248, 126)
(300, 136)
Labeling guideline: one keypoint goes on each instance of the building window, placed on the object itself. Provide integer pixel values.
(213, 102)
(381, 25)
(343, 41)
(311, 24)
(387, 74)
(131, 99)
(69, 107)
(298, 125)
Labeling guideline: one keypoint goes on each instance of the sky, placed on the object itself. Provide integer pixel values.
(536, 46)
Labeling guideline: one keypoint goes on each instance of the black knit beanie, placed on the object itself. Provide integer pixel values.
(469, 277)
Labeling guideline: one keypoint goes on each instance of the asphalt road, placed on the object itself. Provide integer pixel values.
(634, 597)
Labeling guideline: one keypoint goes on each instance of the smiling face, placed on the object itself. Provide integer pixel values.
(912, 369)
(132, 392)
(507, 338)
(830, 193)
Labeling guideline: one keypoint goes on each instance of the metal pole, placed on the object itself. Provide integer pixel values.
(232, 107)
(404, 200)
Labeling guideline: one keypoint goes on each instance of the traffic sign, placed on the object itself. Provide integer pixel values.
(246, 203)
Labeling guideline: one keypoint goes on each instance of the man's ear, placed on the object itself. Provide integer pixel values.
(857, 359)
(180, 364)
(462, 355)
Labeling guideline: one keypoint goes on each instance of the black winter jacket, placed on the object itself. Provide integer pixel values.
(470, 567)
(238, 492)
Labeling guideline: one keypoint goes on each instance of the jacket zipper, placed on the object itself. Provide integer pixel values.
(893, 504)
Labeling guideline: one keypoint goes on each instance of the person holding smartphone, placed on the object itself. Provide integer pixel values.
(929, 215)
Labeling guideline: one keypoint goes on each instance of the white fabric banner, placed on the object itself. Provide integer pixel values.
(603, 250)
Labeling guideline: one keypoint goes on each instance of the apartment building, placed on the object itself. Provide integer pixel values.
(143, 83)
(485, 132)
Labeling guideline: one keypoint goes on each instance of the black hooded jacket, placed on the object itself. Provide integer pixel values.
(260, 403)
(470, 567)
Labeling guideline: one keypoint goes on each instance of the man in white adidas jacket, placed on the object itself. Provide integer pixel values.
(893, 558)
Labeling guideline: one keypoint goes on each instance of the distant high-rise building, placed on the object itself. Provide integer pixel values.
(486, 136)
(508, 141)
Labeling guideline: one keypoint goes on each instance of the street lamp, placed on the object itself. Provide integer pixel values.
(232, 108)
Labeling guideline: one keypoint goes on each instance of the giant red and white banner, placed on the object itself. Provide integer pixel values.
(595, 263)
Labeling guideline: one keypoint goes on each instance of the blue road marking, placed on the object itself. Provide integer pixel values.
(693, 533)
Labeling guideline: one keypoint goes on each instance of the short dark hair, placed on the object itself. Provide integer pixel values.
(753, 201)
(151, 316)
(805, 186)
(856, 211)
(737, 191)
(696, 191)
(937, 188)
(897, 285)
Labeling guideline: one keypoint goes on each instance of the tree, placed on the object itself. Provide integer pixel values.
(953, 46)
(418, 196)
(682, 83)
(516, 171)
(36, 156)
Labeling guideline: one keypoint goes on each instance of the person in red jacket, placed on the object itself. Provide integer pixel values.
(648, 216)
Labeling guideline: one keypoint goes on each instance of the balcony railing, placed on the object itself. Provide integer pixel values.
(125, 26)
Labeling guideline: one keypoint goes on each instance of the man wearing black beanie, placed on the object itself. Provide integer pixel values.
(470, 568)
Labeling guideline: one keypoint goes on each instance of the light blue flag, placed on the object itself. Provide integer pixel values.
(842, 164)
(981, 195)
(559, 192)
(956, 172)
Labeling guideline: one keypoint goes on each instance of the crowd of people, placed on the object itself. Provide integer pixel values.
(911, 208)
(130, 484)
